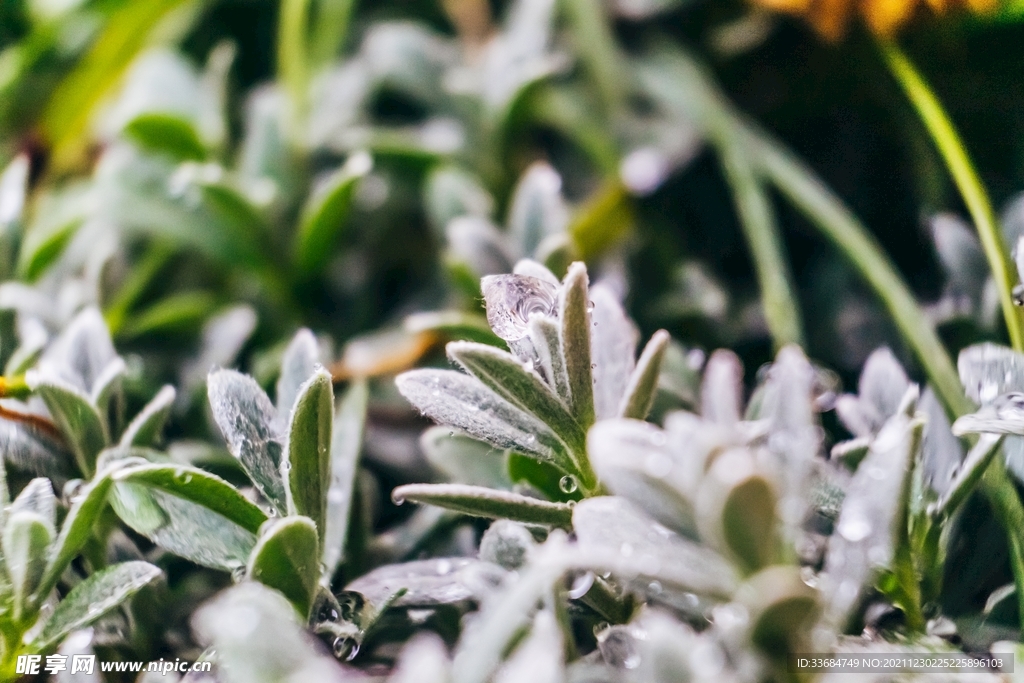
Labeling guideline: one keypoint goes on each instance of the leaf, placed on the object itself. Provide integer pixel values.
(547, 344)
(478, 501)
(246, 418)
(463, 459)
(968, 474)
(326, 214)
(167, 134)
(40, 249)
(782, 607)
(450, 192)
(82, 354)
(26, 537)
(175, 313)
(452, 398)
(605, 219)
(346, 444)
(108, 385)
(37, 497)
(424, 659)
(869, 527)
(307, 465)
(506, 376)
(453, 325)
(632, 460)
(747, 515)
(639, 394)
(538, 475)
(477, 244)
(721, 391)
(76, 417)
(540, 657)
(613, 342)
(880, 390)
(537, 209)
(75, 531)
(989, 370)
(188, 512)
(94, 597)
(611, 528)
(507, 544)
(145, 428)
(1002, 415)
(429, 583)
(297, 365)
(287, 558)
(941, 453)
(574, 312)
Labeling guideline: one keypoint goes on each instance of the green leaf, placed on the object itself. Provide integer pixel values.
(326, 214)
(307, 465)
(40, 249)
(465, 460)
(450, 192)
(544, 333)
(183, 311)
(604, 220)
(37, 497)
(479, 501)
(540, 475)
(145, 428)
(188, 512)
(26, 537)
(287, 558)
(297, 365)
(76, 417)
(643, 383)
(167, 134)
(346, 444)
(573, 306)
(782, 608)
(537, 210)
(748, 522)
(246, 418)
(93, 598)
(455, 325)
(504, 374)
(75, 532)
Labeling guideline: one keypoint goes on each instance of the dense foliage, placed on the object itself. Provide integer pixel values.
(392, 340)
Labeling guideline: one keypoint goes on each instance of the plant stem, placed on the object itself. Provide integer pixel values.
(292, 57)
(953, 152)
(781, 309)
(330, 30)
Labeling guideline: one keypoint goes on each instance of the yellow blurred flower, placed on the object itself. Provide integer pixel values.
(884, 17)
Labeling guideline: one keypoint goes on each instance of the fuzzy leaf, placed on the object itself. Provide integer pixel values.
(574, 312)
(188, 512)
(246, 418)
(537, 209)
(325, 215)
(108, 384)
(77, 418)
(506, 376)
(479, 501)
(26, 537)
(639, 394)
(429, 583)
(463, 459)
(1002, 415)
(94, 597)
(941, 453)
(969, 473)
(989, 370)
(613, 342)
(308, 463)
(145, 428)
(539, 658)
(544, 334)
(286, 558)
(37, 497)
(450, 192)
(346, 444)
(453, 398)
(297, 365)
(721, 391)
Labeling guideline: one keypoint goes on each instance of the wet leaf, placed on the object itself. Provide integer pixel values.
(639, 394)
(287, 558)
(479, 501)
(429, 583)
(146, 427)
(346, 445)
(989, 370)
(76, 530)
(307, 466)
(26, 538)
(465, 460)
(613, 342)
(721, 391)
(76, 417)
(297, 365)
(574, 312)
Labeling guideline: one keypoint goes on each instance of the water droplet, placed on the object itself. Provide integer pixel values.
(512, 299)
(345, 648)
(590, 306)
(654, 588)
(618, 647)
(854, 526)
(571, 503)
(238, 574)
(581, 585)
(286, 465)
(567, 484)
(808, 576)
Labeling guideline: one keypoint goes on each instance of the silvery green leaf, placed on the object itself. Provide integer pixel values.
(667, 650)
(450, 192)
(537, 208)
(680, 374)
(307, 463)
(259, 638)
(613, 342)
(410, 59)
(1002, 415)
(37, 497)
(346, 444)
(941, 452)
(1013, 453)
(26, 538)
(78, 643)
(13, 192)
(531, 268)
(297, 365)
(989, 370)
(880, 389)
(264, 158)
(547, 344)
(286, 558)
(479, 501)
(644, 9)
(963, 479)
(94, 597)
(32, 339)
(223, 337)
(643, 383)
(452, 398)
(76, 530)
(477, 243)
(429, 583)
(521, 386)
(721, 391)
(108, 384)
(507, 544)
(188, 512)
(539, 658)
(574, 312)
(512, 299)
(463, 459)
(246, 418)
(874, 508)
(424, 659)
(782, 609)
(82, 352)
(633, 460)
(962, 258)
(146, 427)
(613, 528)
(326, 214)
(76, 417)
